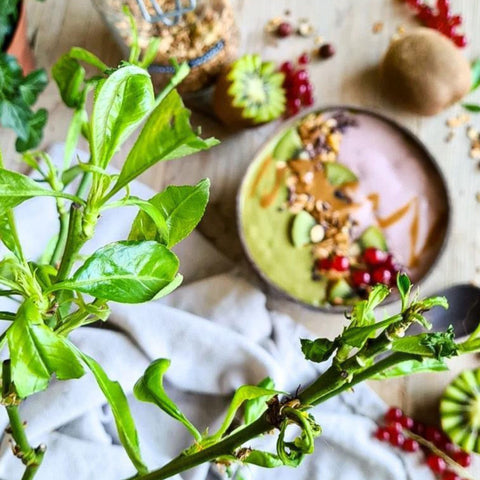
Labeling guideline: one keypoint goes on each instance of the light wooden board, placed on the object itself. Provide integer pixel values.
(348, 78)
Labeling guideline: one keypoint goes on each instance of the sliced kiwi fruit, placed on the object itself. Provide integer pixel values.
(288, 145)
(338, 174)
(302, 224)
(249, 92)
(460, 410)
(339, 292)
(373, 237)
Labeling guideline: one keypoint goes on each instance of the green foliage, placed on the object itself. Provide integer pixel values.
(318, 350)
(181, 207)
(126, 272)
(121, 412)
(263, 459)
(37, 352)
(17, 95)
(149, 388)
(8, 19)
(411, 367)
(256, 406)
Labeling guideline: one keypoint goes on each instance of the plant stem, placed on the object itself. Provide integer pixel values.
(30, 457)
(75, 241)
(62, 235)
(329, 384)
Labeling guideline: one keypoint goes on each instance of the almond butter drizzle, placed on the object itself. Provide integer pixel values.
(414, 255)
(269, 197)
(375, 199)
(397, 215)
(261, 172)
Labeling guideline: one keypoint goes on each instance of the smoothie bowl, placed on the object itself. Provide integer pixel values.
(339, 201)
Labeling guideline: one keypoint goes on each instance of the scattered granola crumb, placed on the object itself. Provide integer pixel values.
(319, 40)
(477, 197)
(377, 27)
(472, 133)
(287, 12)
(272, 24)
(475, 153)
(395, 37)
(449, 136)
(474, 136)
(401, 30)
(458, 120)
(305, 28)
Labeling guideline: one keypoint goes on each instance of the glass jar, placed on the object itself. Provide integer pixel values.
(205, 37)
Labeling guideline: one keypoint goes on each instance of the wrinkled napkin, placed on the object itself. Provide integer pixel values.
(219, 334)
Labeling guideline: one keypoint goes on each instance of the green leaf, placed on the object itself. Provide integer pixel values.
(126, 272)
(37, 352)
(429, 303)
(437, 345)
(318, 350)
(15, 188)
(475, 74)
(411, 367)
(14, 114)
(254, 408)
(149, 220)
(404, 287)
(263, 459)
(69, 76)
(32, 85)
(167, 134)
(243, 393)
(117, 399)
(88, 57)
(7, 235)
(121, 103)
(471, 107)
(35, 126)
(181, 207)
(173, 285)
(149, 388)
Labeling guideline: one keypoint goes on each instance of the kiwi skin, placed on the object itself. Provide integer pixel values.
(425, 72)
(223, 106)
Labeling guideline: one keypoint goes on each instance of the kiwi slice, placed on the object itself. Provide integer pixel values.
(373, 237)
(249, 92)
(288, 145)
(460, 410)
(338, 174)
(339, 292)
(301, 226)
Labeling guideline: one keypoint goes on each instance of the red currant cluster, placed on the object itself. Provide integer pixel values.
(377, 267)
(297, 85)
(397, 430)
(441, 19)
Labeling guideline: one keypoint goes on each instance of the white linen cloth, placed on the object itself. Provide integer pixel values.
(218, 333)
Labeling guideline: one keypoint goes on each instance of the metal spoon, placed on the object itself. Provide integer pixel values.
(463, 313)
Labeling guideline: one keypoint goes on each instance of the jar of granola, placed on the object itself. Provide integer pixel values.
(202, 33)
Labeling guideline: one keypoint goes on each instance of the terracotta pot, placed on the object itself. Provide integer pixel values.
(19, 46)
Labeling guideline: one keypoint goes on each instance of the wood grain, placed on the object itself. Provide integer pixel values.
(348, 78)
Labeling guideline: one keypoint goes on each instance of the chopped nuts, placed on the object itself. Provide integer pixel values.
(317, 234)
(305, 28)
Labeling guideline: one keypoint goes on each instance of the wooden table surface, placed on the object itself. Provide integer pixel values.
(348, 78)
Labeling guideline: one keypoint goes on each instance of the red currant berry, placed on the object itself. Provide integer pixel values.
(340, 263)
(326, 51)
(382, 434)
(397, 439)
(304, 59)
(449, 475)
(381, 275)
(293, 106)
(391, 264)
(433, 435)
(394, 414)
(374, 256)
(299, 90)
(287, 68)
(284, 30)
(449, 448)
(360, 278)
(443, 7)
(300, 77)
(395, 427)
(324, 264)
(407, 422)
(462, 458)
(308, 99)
(411, 445)
(425, 13)
(418, 428)
(455, 21)
(436, 464)
(460, 40)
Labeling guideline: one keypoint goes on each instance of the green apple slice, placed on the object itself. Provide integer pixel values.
(301, 226)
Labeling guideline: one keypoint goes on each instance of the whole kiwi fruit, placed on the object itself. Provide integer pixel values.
(424, 72)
